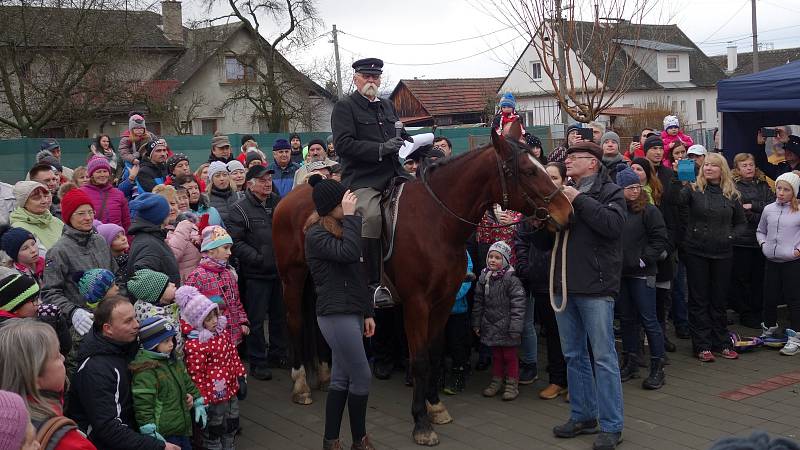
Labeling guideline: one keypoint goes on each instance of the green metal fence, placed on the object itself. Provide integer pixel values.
(19, 155)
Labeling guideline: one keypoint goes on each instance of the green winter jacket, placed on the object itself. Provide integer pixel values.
(46, 227)
(160, 385)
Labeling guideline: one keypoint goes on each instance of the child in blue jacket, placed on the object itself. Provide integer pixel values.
(457, 336)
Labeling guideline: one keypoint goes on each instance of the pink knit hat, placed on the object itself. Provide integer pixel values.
(195, 307)
(96, 163)
(14, 420)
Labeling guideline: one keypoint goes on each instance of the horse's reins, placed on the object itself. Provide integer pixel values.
(504, 171)
(540, 212)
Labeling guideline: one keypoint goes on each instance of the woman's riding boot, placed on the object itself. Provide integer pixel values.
(357, 408)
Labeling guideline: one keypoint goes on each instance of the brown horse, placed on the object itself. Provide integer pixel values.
(437, 214)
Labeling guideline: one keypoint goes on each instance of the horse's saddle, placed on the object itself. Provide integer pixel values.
(390, 205)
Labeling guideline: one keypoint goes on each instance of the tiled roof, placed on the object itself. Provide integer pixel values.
(141, 28)
(452, 95)
(654, 45)
(201, 43)
(703, 71)
(767, 59)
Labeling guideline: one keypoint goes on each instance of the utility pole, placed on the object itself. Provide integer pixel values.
(335, 41)
(561, 63)
(755, 36)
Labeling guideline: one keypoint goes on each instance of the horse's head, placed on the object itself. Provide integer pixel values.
(527, 187)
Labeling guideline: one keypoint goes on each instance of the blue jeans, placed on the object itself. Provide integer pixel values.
(599, 396)
(638, 303)
(680, 312)
(530, 343)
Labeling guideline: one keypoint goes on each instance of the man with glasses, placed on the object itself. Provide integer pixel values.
(594, 265)
(250, 226)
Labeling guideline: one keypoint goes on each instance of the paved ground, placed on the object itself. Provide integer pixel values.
(690, 412)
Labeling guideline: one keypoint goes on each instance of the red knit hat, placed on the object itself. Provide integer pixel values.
(71, 202)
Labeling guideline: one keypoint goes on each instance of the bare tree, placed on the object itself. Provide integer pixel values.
(270, 84)
(57, 61)
(586, 65)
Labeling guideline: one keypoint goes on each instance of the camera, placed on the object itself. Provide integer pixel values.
(769, 132)
(587, 134)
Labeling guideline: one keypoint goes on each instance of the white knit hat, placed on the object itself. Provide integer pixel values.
(793, 179)
(214, 167)
(504, 250)
(671, 121)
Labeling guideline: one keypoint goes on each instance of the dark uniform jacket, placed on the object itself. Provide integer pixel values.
(336, 270)
(250, 226)
(645, 240)
(359, 127)
(757, 193)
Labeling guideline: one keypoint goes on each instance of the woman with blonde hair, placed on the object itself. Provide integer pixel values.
(711, 218)
(32, 367)
(747, 281)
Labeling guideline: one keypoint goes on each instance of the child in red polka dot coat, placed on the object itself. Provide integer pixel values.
(213, 364)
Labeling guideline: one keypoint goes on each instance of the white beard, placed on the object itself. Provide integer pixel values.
(369, 90)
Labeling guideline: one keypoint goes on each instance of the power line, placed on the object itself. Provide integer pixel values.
(425, 43)
(440, 62)
(748, 36)
(726, 22)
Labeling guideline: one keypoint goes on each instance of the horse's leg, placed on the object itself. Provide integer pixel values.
(293, 285)
(419, 358)
(324, 358)
(436, 409)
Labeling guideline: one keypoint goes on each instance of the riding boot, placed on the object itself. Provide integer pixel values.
(372, 253)
(656, 379)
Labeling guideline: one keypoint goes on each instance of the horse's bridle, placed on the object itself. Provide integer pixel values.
(541, 213)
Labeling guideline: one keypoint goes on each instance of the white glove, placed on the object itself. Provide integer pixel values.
(82, 321)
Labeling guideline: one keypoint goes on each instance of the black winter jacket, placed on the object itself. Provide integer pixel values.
(771, 170)
(150, 251)
(150, 175)
(499, 310)
(669, 213)
(594, 250)
(757, 193)
(250, 227)
(100, 397)
(359, 127)
(709, 222)
(223, 200)
(646, 240)
(336, 269)
(533, 264)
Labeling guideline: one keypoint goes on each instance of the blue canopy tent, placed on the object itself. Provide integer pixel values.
(749, 102)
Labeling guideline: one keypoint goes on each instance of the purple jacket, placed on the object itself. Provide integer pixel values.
(109, 203)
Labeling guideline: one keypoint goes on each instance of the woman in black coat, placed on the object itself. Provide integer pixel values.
(644, 245)
(711, 218)
(344, 310)
(747, 281)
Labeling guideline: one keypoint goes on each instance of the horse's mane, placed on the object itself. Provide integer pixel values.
(468, 155)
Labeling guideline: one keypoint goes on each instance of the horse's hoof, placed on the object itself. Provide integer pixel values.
(438, 413)
(302, 398)
(426, 437)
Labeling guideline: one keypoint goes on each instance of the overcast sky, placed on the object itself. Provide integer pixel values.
(709, 23)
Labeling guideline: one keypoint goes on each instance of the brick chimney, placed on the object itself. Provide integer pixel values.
(172, 21)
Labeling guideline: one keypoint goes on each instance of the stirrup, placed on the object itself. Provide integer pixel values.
(382, 298)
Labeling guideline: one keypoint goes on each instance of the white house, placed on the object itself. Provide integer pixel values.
(669, 69)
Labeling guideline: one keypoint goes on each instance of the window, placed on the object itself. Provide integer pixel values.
(236, 71)
(701, 109)
(683, 106)
(536, 70)
(209, 126)
(674, 105)
(672, 63)
(186, 126)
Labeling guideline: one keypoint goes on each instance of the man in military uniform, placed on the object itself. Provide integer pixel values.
(365, 140)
